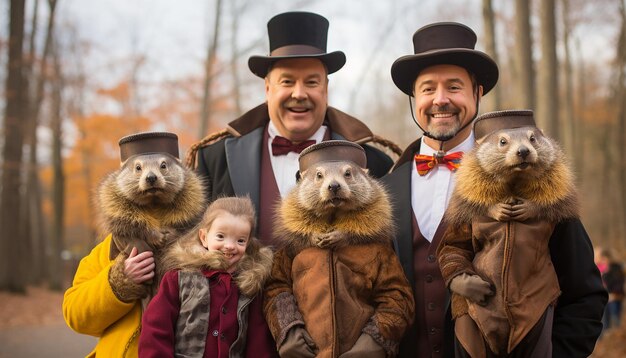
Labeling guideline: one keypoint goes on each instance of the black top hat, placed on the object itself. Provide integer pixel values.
(148, 143)
(297, 35)
(444, 43)
(332, 151)
(491, 122)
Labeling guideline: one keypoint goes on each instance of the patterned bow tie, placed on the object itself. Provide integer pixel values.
(282, 146)
(425, 163)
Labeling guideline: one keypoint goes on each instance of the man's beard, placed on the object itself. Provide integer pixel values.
(439, 131)
(447, 130)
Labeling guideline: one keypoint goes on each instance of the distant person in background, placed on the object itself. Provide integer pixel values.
(613, 278)
(257, 155)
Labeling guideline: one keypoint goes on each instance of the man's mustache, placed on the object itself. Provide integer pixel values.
(305, 103)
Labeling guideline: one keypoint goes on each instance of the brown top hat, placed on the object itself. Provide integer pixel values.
(148, 143)
(297, 35)
(444, 43)
(332, 151)
(494, 121)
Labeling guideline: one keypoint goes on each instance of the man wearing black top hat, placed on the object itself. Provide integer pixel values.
(447, 77)
(257, 154)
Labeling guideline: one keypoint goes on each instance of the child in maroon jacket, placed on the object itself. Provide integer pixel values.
(209, 303)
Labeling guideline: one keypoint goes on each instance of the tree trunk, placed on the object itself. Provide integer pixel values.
(209, 73)
(234, 58)
(34, 216)
(525, 80)
(581, 104)
(548, 103)
(620, 96)
(58, 179)
(11, 270)
(490, 44)
(568, 119)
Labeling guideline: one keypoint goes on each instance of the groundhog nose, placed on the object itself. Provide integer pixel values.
(334, 187)
(523, 152)
(151, 178)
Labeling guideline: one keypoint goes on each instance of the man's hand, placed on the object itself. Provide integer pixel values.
(139, 268)
(472, 287)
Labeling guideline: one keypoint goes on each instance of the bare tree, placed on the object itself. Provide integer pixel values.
(58, 180)
(234, 58)
(548, 93)
(523, 52)
(568, 119)
(33, 208)
(490, 43)
(209, 71)
(620, 99)
(11, 269)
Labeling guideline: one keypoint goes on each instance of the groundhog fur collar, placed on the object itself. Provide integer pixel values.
(120, 214)
(253, 269)
(489, 175)
(305, 214)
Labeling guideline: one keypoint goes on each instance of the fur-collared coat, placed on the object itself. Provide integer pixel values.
(176, 320)
(513, 256)
(232, 165)
(338, 294)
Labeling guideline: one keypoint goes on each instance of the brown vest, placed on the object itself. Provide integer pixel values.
(430, 293)
(269, 197)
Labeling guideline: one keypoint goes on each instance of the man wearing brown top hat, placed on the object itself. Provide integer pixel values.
(257, 154)
(447, 78)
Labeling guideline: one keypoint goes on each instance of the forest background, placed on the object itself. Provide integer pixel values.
(79, 75)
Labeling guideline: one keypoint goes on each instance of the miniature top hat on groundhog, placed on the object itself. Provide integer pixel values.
(442, 43)
(332, 151)
(297, 34)
(148, 143)
(509, 119)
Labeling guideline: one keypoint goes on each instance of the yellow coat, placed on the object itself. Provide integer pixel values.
(91, 307)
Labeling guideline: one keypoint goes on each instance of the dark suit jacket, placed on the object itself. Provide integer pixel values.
(577, 316)
(232, 165)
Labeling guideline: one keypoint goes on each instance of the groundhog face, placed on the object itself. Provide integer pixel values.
(332, 186)
(151, 178)
(516, 151)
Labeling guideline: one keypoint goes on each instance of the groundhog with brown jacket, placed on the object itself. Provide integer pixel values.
(511, 191)
(337, 288)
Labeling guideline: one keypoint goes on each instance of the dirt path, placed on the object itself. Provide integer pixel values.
(33, 326)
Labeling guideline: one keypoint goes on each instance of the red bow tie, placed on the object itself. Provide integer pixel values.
(282, 146)
(425, 163)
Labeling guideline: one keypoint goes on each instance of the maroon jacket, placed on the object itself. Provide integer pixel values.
(158, 334)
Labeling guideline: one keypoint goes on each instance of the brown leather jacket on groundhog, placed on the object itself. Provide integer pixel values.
(513, 256)
(343, 294)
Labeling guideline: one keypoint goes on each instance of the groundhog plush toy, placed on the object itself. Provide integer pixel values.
(511, 191)
(337, 288)
(147, 204)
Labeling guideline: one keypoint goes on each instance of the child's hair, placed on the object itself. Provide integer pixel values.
(239, 206)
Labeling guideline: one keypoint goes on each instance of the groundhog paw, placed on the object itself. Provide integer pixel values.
(524, 210)
(500, 212)
(163, 237)
(330, 240)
